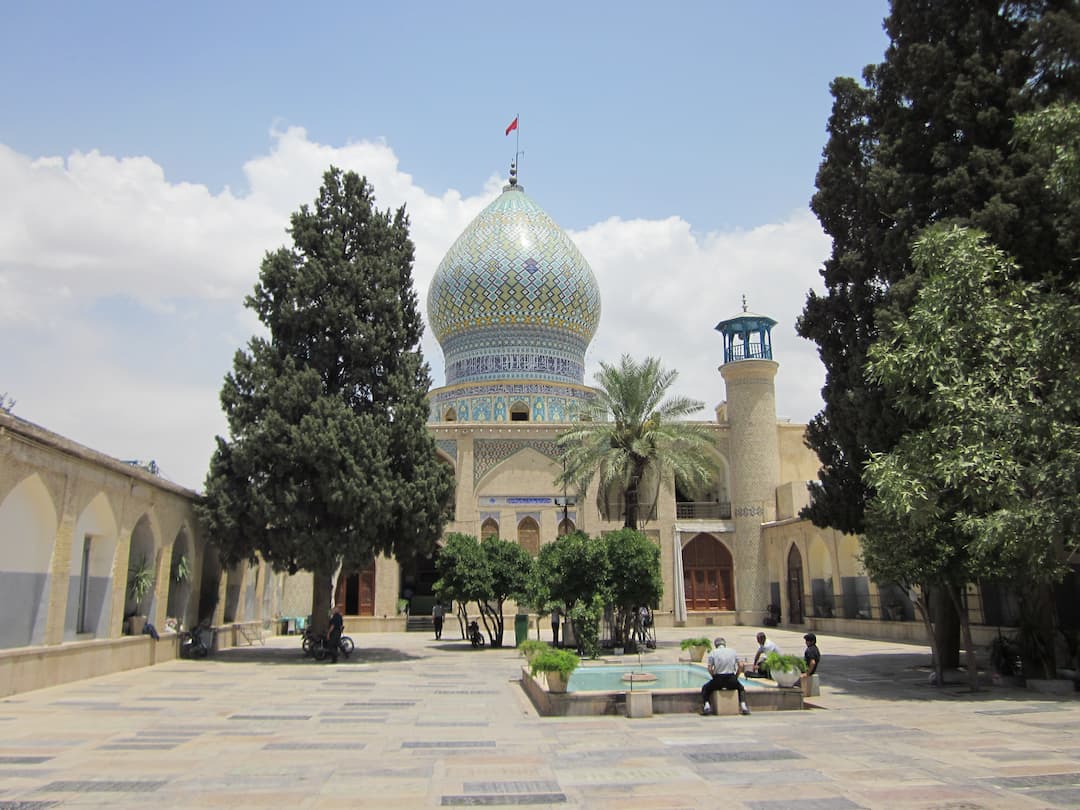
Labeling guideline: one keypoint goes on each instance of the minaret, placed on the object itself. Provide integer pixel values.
(749, 373)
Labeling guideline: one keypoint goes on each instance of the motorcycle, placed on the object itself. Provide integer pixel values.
(196, 643)
(475, 636)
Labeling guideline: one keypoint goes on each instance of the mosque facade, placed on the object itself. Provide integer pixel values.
(514, 306)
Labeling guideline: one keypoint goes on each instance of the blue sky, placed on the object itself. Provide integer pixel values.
(152, 152)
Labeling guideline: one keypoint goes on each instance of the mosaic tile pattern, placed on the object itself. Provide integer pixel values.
(545, 402)
(514, 297)
(487, 453)
(448, 446)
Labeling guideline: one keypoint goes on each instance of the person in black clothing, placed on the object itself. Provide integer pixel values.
(333, 633)
(812, 655)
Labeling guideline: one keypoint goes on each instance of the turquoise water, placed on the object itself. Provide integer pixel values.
(668, 676)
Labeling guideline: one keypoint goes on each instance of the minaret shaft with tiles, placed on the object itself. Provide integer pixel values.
(749, 374)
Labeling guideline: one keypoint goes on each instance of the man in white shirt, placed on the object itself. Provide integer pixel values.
(724, 667)
(760, 670)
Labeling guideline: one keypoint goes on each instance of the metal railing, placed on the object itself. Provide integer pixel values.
(703, 510)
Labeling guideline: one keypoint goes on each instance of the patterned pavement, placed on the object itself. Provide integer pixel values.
(409, 722)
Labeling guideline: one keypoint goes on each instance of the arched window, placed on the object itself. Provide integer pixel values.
(519, 412)
(450, 415)
(529, 535)
(489, 528)
(708, 574)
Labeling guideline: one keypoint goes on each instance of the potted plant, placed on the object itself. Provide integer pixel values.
(532, 647)
(182, 569)
(140, 583)
(785, 669)
(697, 647)
(557, 665)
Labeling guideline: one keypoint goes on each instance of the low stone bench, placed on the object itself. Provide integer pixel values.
(724, 701)
(811, 687)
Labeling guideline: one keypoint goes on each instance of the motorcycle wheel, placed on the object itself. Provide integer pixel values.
(347, 646)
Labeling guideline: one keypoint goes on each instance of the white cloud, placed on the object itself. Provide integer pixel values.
(82, 237)
(665, 288)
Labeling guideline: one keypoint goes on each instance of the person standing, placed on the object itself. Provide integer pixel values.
(760, 670)
(724, 667)
(438, 615)
(333, 633)
(556, 615)
(812, 655)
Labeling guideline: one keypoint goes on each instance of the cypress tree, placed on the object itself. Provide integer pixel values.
(329, 459)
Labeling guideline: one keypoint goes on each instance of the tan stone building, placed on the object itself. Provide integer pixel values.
(514, 305)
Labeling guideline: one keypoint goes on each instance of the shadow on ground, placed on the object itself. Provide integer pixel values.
(295, 656)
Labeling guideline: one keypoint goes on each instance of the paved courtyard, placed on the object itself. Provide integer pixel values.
(409, 722)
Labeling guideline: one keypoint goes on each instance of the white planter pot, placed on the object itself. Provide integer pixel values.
(785, 679)
(555, 682)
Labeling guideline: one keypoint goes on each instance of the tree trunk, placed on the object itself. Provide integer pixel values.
(463, 619)
(969, 646)
(320, 601)
(630, 521)
(943, 599)
(922, 606)
(1038, 629)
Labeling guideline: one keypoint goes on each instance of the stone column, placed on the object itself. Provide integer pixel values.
(755, 471)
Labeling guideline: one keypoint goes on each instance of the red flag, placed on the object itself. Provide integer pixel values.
(513, 125)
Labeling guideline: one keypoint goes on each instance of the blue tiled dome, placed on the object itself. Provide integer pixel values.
(514, 299)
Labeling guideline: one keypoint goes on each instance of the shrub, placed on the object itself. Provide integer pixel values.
(533, 646)
(550, 660)
(687, 643)
(777, 662)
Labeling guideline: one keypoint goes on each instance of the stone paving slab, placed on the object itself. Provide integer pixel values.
(408, 722)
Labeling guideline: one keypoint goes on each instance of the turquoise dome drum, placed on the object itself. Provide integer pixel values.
(514, 299)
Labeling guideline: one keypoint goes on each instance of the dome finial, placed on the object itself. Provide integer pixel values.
(513, 172)
(744, 302)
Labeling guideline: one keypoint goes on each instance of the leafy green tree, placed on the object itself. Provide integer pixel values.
(487, 572)
(984, 363)
(464, 574)
(645, 434)
(572, 568)
(511, 572)
(634, 578)
(329, 459)
(929, 138)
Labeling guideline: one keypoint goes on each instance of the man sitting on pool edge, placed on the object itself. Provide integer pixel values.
(725, 669)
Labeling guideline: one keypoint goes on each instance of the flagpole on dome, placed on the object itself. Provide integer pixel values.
(516, 165)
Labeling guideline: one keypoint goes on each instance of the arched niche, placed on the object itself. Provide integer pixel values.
(708, 501)
(209, 583)
(489, 528)
(142, 561)
(519, 412)
(181, 576)
(251, 591)
(822, 597)
(233, 581)
(528, 532)
(566, 527)
(708, 574)
(795, 585)
(90, 579)
(28, 524)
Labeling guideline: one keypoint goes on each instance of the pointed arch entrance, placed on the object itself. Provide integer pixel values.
(795, 586)
(708, 574)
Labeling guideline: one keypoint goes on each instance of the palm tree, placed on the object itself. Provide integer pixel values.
(644, 435)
